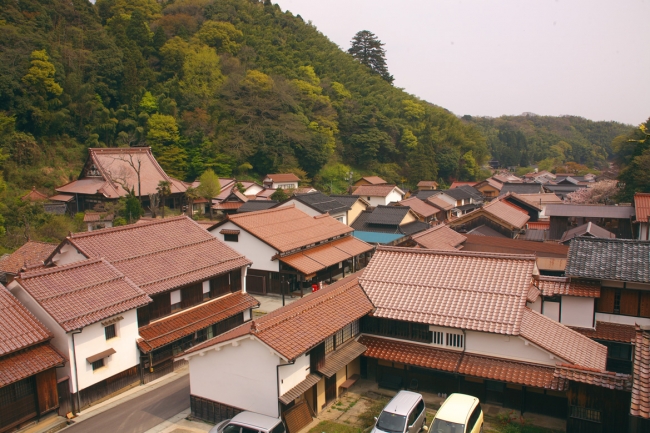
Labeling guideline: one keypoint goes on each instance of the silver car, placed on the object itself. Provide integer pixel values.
(250, 422)
(403, 414)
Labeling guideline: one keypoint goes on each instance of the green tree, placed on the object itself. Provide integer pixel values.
(279, 195)
(209, 187)
(131, 208)
(369, 50)
(41, 74)
(202, 76)
(222, 36)
(162, 130)
(469, 169)
(164, 190)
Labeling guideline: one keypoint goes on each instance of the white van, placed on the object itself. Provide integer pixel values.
(403, 414)
(460, 413)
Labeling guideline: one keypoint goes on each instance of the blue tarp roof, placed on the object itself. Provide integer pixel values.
(376, 237)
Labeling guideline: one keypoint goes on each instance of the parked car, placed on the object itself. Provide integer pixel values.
(250, 422)
(403, 414)
(460, 413)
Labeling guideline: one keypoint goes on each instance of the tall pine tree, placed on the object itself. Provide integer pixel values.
(369, 50)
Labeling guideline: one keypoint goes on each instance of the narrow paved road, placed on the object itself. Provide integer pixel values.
(141, 413)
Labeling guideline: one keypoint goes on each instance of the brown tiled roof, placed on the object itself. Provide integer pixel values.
(588, 229)
(228, 205)
(374, 190)
(298, 390)
(34, 195)
(539, 225)
(374, 180)
(540, 198)
(283, 177)
(456, 361)
(439, 203)
(641, 384)
(31, 253)
(62, 197)
(533, 294)
(303, 324)
(18, 327)
(341, 357)
(287, 228)
(187, 322)
(477, 291)
(563, 286)
(502, 211)
(427, 183)
(161, 254)
(562, 341)
(28, 362)
(605, 379)
(642, 205)
(420, 207)
(492, 182)
(439, 237)
(609, 332)
(522, 200)
(456, 184)
(542, 249)
(90, 217)
(114, 172)
(320, 257)
(82, 293)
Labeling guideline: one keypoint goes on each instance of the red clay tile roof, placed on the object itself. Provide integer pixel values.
(641, 384)
(456, 361)
(229, 205)
(31, 253)
(374, 190)
(642, 205)
(539, 225)
(439, 203)
(420, 207)
(562, 341)
(18, 327)
(374, 180)
(283, 177)
(287, 228)
(457, 184)
(522, 200)
(303, 324)
(502, 211)
(492, 182)
(540, 199)
(62, 197)
(477, 291)
(427, 183)
(34, 195)
(542, 249)
(90, 217)
(28, 362)
(161, 254)
(605, 379)
(533, 294)
(189, 321)
(609, 332)
(114, 172)
(562, 286)
(320, 257)
(439, 237)
(82, 293)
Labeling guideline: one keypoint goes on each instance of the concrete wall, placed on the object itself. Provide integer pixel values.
(68, 254)
(250, 246)
(504, 346)
(92, 341)
(243, 376)
(551, 310)
(577, 311)
(292, 375)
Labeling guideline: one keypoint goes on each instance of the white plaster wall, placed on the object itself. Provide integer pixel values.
(643, 231)
(242, 376)
(504, 346)
(250, 246)
(303, 207)
(253, 189)
(284, 185)
(577, 311)
(375, 201)
(394, 196)
(624, 320)
(447, 198)
(341, 217)
(60, 340)
(292, 375)
(247, 315)
(92, 341)
(535, 306)
(551, 310)
(68, 254)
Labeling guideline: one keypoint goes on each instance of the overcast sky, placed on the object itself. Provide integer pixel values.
(589, 58)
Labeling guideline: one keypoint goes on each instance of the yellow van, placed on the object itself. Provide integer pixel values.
(460, 413)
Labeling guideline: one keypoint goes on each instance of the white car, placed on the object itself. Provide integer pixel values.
(403, 414)
(250, 422)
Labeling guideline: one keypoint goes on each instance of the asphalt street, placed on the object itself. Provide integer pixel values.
(139, 414)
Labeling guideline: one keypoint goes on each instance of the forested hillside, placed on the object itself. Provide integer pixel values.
(233, 85)
(549, 141)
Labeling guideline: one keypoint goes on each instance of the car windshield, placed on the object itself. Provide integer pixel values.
(442, 426)
(391, 422)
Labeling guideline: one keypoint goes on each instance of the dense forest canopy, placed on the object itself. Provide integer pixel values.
(549, 141)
